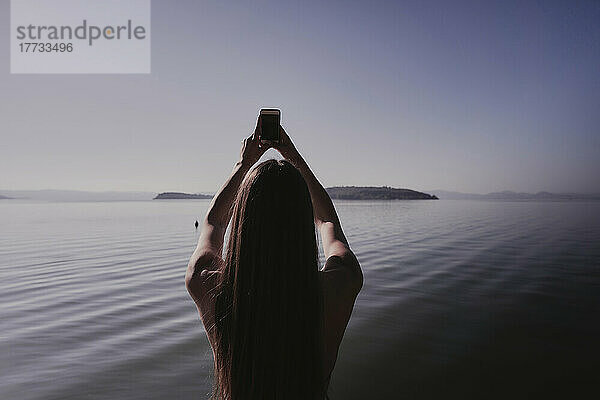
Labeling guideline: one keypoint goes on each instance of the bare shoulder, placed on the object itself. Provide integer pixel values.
(202, 284)
(203, 287)
(208, 278)
(343, 275)
(342, 281)
(202, 276)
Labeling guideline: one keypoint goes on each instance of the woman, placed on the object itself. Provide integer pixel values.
(273, 319)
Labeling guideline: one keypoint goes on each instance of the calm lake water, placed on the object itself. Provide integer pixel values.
(462, 299)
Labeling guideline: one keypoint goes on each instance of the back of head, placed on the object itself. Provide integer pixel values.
(268, 307)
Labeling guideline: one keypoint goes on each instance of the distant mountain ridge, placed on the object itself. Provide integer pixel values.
(181, 196)
(517, 196)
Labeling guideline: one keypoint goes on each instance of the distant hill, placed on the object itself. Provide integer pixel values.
(5, 197)
(517, 196)
(376, 193)
(181, 196)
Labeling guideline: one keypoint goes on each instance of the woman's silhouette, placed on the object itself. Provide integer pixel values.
(273, 319)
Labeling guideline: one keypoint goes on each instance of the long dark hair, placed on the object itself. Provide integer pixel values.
(269, 306)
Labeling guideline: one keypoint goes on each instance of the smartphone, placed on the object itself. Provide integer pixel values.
(270, 119)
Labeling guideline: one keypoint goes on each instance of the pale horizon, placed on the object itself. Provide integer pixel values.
(213, 191)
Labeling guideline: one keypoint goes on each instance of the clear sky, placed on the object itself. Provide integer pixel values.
(468, 96)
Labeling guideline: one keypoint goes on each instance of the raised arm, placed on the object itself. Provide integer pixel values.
(335, 245)
(210, 244)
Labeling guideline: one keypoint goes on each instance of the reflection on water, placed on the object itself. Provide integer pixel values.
(461, 298)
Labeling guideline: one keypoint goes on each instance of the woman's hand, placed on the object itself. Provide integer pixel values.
(286, 148)
(252, 149)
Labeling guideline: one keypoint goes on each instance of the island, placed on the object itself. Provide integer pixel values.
(5, 197)
(336, 192)
(376, 193)
(181, 196)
